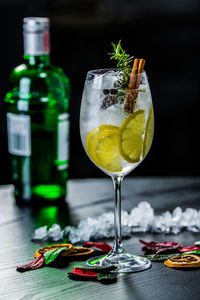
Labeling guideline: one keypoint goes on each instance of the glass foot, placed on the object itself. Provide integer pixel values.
(124, 262)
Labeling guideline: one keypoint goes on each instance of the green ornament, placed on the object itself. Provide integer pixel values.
(160, 257)
(51, 255)
(197, 252)
(107, 277)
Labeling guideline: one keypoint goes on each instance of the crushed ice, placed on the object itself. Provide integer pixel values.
(54, 234)
(141, 219)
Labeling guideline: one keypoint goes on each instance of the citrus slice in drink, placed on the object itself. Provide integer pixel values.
(131, 136)
(102, 147)
(149, 132)
(94, 134)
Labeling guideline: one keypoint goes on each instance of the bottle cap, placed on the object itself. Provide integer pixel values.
(36, 25)
(36, 36)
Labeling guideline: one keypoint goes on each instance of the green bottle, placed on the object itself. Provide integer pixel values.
(38, 121)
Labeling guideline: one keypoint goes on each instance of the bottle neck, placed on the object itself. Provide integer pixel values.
(37, 48)
(40, 61)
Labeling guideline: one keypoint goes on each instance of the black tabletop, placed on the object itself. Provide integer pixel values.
(91, 197)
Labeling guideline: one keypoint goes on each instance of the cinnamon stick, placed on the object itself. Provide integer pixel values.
(133, 77)
(134, 83)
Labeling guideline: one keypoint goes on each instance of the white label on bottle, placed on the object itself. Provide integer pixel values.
(63, 141)
(19, 134)
(24, 88)
(22, 105)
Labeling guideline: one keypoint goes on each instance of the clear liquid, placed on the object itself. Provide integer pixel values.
(93, 116)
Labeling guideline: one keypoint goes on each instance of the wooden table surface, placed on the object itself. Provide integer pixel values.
(91, 197)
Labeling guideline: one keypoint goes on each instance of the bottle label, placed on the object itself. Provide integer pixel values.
(19, 134)
(24, 88)
(63, 141)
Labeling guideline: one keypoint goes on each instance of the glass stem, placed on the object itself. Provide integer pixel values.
(117, 214)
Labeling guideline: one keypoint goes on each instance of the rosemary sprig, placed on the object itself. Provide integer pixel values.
(124, 64)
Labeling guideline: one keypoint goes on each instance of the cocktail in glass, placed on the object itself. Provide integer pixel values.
(117, 136)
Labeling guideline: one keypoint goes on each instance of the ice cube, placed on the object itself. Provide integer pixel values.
(189, 217)
(177, 215)
(40, 234)
(113, 115)
(109, 78)
(141, 217)
(94, 81)
(175, 229)
(144, 100)
(55, 233)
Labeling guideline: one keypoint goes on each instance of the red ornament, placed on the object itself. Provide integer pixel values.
(190, 248)
(162, 247)
(35, 264)
(102, 246)
(85, 273)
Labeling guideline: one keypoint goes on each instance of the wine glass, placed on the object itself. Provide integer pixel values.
(116, 127)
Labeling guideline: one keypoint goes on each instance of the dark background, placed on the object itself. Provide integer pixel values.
(165, 33)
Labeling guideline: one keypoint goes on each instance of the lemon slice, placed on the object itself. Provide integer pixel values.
(131, 136)
(149, 132)
(102, 147)
(94, 134)
(107, 153)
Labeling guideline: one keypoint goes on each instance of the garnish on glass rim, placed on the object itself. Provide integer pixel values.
(124, 64)
(118, 92)
(124, 83)
(134, 83)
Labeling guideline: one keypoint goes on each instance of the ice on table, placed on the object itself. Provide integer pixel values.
(40, 234)
(142, 218)
(54, 234)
